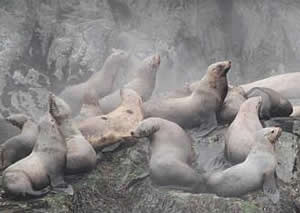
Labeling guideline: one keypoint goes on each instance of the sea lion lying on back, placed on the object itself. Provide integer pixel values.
(240, 135)
(171, 155)
(43, 167)
(273, 103)
(114, 127)
(258, 170)
(101, 81)
(143, 83)
(20, 145)
(285, 84)
(81, 157)
(199, 108)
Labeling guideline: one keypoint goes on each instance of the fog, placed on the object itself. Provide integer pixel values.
(46, 45)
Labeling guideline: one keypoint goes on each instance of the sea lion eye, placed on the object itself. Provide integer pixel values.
(272, 131)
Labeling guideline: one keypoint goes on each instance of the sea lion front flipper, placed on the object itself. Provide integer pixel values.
(59, 185)
(270, 187)
(209, 125)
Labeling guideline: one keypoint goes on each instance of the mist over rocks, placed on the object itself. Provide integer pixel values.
(46, 45)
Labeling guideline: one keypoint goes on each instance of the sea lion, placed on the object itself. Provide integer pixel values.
(286, 84)
(296, 111)
(201, 106)
(7, 130)
(171, 155)
(43, 167)
(20, 145)
(143, 83)
(101, 81)
(231, 106)
(240, 135)
(258, 170)
(114, 127)
(81, 157)
(273, 103)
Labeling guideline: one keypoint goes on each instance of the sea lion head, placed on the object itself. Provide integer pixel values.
(252, 105)
(271, 134)
(131, 97)
(149, 67)
(219, 69)
(17, 120)
(118, 56)
(146, 128)
(58, 108)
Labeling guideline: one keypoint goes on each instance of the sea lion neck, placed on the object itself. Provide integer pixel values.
(67, 128)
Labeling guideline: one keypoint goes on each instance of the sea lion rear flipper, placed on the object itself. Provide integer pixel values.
(38, 193)
(66, 188)
(270, 187)
(209, 125)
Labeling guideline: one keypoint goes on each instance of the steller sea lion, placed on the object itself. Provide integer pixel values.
(114, 127)
(286, 84)
(143, 83)
(171, 155)
(20, 145)
(7, 130)
(240, 135)
(101, 81)
(201, 106)
(81, 157)
(273, 103)
(258, 170)
(43, 167)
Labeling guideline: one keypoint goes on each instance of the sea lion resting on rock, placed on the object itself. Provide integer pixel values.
(171, 155)
(143, 83)
(201, 106)
(81, 157)
(273, 103)
(101, 81)
(285, 84)
(114, 127)
(20, 145)
(43, 167)
(258, 170)
(240, 135)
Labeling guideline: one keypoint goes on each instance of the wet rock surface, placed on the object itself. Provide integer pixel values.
(46, 45)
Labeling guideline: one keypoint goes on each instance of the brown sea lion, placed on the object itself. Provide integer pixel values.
(143, 83)
(20, 145)
(201, 106)
(81, 157)
(273, 103)
(171, 155)
(240, 136)
(43, 167)
(286, 84)
(101, 81)
(7, 130)
(257, 171)
(114, 127)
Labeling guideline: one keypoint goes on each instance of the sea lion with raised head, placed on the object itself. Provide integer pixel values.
(45, 166)
(114, 127)
(257, 171)
(7, 130)
(286, 84)
(240, 135)
(199, 108)
(273, 103)
(101, 81)
(20, 145)
(143, 83)
(171, 155)
(81, 157)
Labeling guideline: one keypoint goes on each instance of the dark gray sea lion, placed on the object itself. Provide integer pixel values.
(7, 130)
(285, 84)
(101, 81)
(199, 108)
(114, 127)
(143, 83)
(256, 172)
(20, 145)
(240, 136)
(171, 155)
(45, 166)
(81, 157)
(273, 103)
